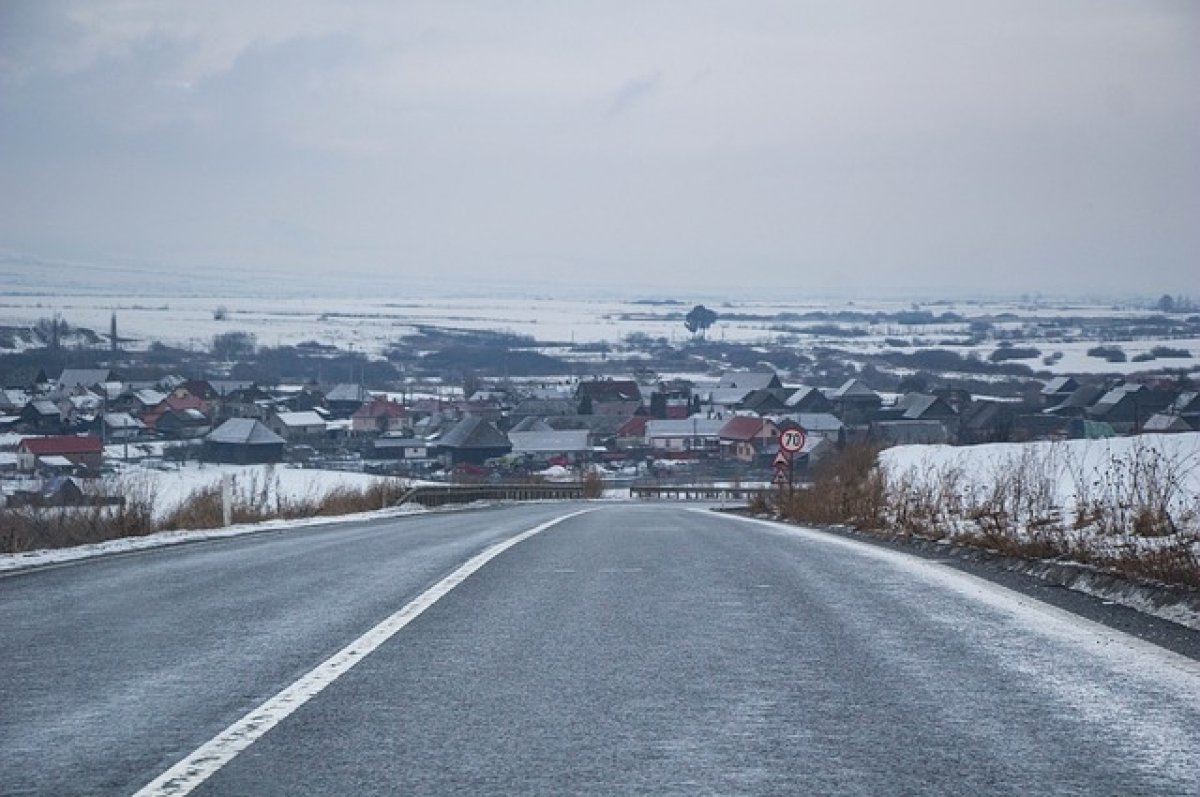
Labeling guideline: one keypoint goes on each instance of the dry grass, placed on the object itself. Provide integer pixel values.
(1132, 515)
(256, 498)
(848, 488)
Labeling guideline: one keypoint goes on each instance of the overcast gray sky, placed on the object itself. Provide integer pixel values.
(847, 147)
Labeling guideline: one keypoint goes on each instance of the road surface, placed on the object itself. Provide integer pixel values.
(628, 649)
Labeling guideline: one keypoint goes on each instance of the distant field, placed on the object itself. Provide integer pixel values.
(371, 325)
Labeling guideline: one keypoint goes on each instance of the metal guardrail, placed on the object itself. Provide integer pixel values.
(697, 492)
(442, 494)
(432, 495)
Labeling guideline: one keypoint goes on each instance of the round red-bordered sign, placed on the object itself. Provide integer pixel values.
(791, 440)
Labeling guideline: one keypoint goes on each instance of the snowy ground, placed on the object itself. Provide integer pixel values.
(372, 325)
(1078, 469)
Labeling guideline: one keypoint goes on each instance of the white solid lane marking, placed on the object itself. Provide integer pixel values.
(208, 759)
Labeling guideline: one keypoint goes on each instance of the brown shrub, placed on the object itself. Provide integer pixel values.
(848, 487)
(593, 484)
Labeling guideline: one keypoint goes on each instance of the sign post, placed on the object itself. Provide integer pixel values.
(791, 443)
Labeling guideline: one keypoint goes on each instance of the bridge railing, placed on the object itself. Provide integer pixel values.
(431, 495)
(692, 492)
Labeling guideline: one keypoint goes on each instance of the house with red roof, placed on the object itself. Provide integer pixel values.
(174, 403)
(748, 437)
(80, 451)
(379, 416)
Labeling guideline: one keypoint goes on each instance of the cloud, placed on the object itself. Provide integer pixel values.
(998, 144)
(631, 93)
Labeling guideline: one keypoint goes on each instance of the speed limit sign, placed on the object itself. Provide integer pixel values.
(791, 440)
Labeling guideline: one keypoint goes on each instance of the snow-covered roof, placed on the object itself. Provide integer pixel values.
(83, 377)
(824, 422)
(749, 380)
(122, 420)
(300, 419)
(698, 427)
(56, 461)
(348, 392)
(473, 432)
(853, 388)
(728, 396)
(243, 431)
(572, 440)
(150, 397)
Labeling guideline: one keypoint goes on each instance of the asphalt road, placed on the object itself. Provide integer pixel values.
(631, 649)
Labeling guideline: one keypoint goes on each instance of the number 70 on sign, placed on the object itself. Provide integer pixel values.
(792, 440)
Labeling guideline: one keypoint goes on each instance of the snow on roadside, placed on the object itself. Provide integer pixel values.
(1078, 465)
(170, 488)
(52, 556)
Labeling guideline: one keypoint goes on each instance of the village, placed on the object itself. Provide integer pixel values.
(57, 432)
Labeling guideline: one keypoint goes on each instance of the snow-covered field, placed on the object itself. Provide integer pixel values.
(372, 325)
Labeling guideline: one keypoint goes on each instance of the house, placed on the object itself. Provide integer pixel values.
(379, 416)
(736, 388)
(198, 388)
(243, 441)
(1187, 406)
(248, 401)
(750, 380)
(120, 426)
(1075, 405)
(909, 432)
(84, 452)
(1058, 390)
(391, 447)
(488, 409)
(620, 397)
(816, 425)
(471, 441)
(632, 433)
(184, 424)
(86, 378)
(766, 401)
(344, 399)
(139, 402)
(922, 407)
(293, 426)
(531, 424)
(570, 446)
(307, 397)
(988, 422)
(543, 407)
(748, 438)
(172, 403)
(1126, 407)
(808, 399)
(13, 400)
(58, 491)
(854, 402)
(691, 436)
(1164, 422)
(722, 401)
(602, 429)
(41, 416)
